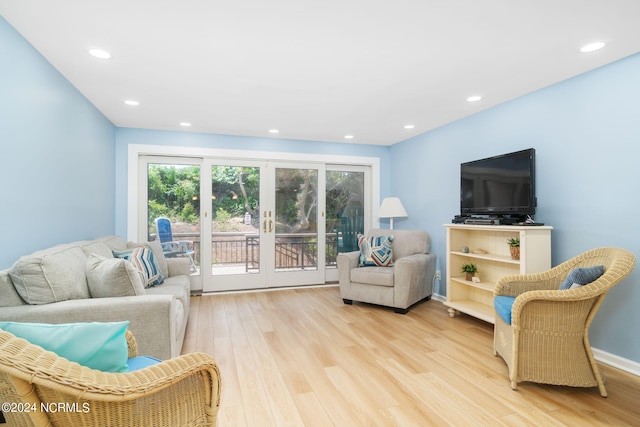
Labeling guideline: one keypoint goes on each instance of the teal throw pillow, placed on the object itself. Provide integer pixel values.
(375, 251)
(582, 276)
(96, 345)
(144, 260)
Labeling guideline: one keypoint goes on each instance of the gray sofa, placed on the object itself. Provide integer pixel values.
(408, 281)
(60, 285)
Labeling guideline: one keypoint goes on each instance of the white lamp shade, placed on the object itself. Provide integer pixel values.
(391, 207)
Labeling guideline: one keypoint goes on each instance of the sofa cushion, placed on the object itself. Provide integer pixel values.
(97, 248)
(9, 297)
(113, 242)
(52, 275)
(375, 251)
(178, 286)
(144, 260)
(113, 277)
(373, 276)
(97, 345)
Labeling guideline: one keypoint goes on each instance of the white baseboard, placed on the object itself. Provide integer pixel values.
(616, 361)
(438, 297)
(601, 356)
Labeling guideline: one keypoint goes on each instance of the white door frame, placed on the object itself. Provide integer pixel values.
(134, 151)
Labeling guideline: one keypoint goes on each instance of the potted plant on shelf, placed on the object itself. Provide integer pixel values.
(514, 247)
(469, 270)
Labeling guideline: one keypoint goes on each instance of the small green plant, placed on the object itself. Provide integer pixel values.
(514, 242)
(469, 268)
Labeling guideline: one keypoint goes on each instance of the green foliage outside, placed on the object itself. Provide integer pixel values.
(174, 192)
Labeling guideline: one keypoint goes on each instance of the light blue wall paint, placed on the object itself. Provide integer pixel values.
(127, 136)
(56, 155)
(586, 132)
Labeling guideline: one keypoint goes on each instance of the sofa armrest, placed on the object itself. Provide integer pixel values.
(178, 266)
(151, 318)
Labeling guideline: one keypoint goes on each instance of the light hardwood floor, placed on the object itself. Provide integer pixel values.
(300, 357)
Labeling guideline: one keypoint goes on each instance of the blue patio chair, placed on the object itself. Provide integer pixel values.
(173, 248)
(351, 224)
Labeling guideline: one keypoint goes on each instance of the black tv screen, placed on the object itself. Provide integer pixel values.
(499, 185)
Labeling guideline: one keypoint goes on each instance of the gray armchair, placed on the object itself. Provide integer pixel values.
(408, 281)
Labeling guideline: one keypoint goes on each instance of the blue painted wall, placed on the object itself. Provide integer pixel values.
(57, 156)
(126, 136)
(586, 132)
(63, 167)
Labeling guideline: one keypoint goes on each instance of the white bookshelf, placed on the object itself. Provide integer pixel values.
(488, 249)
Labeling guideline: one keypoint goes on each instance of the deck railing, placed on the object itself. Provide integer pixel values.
(293, 250)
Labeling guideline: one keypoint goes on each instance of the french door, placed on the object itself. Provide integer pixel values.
(248, 224)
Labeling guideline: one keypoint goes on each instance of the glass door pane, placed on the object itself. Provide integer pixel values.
(296, 227)
(235, 212)
(345, 212)
(173, 210)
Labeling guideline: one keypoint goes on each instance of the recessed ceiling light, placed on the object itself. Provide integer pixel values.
(409, 126)
(592, 47)
(348, 137)
(474, 98)
(131, 102)
(99, 53)
(185, 124)
(274, 131)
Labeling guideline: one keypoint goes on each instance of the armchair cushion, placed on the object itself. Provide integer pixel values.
(375, 251)
(140, 362)
(503, 305)
(96, 345)
(582, 276)
(143, 259)
(373, 276)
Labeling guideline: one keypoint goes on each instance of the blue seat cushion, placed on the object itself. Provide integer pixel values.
(582, 276)
(140, 362)
(503, 306)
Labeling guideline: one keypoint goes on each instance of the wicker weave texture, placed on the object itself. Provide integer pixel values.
(183, 391)
(548, 339)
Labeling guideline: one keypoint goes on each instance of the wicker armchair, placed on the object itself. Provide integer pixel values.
(43, 389)
(548, 339)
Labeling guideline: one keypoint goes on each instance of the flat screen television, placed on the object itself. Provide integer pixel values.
(502, 185)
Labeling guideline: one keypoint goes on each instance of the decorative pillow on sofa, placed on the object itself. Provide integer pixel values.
(144, 260)
(582, 276)
(156, 248)
(97, 345)
(375, 251)
(113, 277)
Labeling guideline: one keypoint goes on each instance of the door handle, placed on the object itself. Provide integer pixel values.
(264, 226)
(270, 226)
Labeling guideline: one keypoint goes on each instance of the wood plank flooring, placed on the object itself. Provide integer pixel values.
(300, 357)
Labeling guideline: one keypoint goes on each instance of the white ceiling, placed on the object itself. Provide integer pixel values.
(318, 70)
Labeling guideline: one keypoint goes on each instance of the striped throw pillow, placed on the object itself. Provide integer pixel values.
(144, 260)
